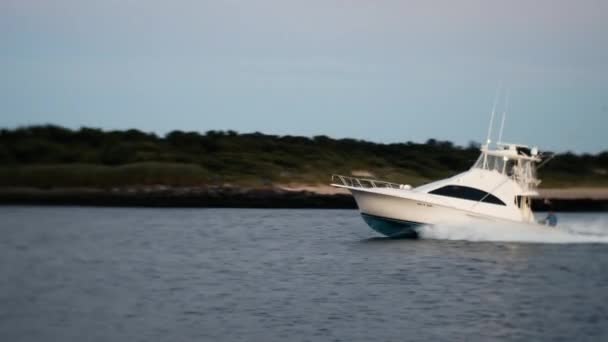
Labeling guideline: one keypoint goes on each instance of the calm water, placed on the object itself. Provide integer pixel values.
(102, 274)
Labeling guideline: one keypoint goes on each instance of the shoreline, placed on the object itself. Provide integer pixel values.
(280, 197)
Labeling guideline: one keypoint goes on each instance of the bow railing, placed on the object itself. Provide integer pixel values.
(365, 183)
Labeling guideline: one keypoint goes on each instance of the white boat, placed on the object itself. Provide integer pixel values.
(498, 187)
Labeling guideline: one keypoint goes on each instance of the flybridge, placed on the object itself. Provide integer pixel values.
(517, 162)
(518, 151)
(505, 157)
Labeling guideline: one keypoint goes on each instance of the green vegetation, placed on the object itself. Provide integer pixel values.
(51, 156)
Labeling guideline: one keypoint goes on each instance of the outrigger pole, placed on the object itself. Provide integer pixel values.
(504, 115)
(488, 141)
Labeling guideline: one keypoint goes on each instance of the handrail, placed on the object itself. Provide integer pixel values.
(365, 183)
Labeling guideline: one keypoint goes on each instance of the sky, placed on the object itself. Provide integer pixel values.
(379, 70)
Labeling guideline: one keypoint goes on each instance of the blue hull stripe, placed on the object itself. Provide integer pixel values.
(391, 227)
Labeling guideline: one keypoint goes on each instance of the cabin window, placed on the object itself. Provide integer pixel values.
(496, 163)
(489, 162)
(467, 193)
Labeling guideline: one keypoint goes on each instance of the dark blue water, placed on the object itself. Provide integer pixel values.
(101, 274)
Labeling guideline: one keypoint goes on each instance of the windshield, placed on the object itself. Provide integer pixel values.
(495, 163)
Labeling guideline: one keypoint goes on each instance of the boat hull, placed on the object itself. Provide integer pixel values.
(399, 217)
(392, 228)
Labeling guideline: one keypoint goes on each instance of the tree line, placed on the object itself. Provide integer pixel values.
(48, 155)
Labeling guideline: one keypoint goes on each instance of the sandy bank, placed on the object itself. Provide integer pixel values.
(575, 193)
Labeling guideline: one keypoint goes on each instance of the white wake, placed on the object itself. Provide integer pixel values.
(567, 232)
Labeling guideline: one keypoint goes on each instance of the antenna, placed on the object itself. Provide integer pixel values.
(504, 115)
(488, 141)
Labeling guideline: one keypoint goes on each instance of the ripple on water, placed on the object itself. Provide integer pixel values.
(298, 275)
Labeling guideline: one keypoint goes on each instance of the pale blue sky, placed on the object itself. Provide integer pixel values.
(380, 70)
